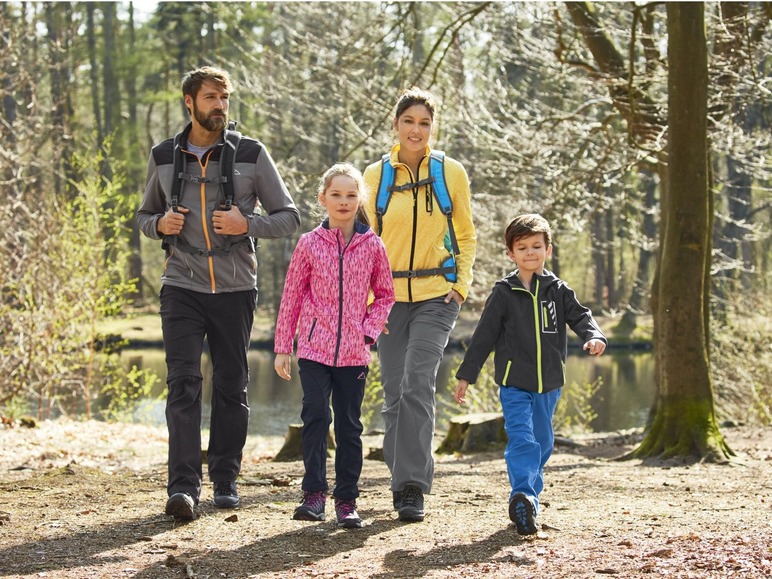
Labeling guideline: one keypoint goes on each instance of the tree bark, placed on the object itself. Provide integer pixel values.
(684, 422)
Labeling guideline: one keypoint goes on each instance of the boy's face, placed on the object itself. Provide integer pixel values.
(530, 253)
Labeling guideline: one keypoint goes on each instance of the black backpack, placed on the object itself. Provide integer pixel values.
(227, 162)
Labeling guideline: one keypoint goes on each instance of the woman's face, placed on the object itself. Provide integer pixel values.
(414, 127)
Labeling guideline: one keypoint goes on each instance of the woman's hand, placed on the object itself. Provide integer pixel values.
(455, 296)
(283, 365)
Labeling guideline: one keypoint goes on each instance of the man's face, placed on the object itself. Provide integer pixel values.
(210, 107)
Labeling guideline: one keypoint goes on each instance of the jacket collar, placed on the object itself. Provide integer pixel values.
(545, 279)
(394, 155)
(186, 132)
(360, 229)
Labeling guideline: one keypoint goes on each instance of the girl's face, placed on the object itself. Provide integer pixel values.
(414, 127)
(341, 199)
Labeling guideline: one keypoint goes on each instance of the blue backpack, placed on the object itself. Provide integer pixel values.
(436, 180)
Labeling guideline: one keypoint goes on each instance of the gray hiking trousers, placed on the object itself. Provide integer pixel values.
(410, 356)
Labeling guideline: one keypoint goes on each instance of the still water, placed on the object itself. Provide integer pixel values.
(623, 400)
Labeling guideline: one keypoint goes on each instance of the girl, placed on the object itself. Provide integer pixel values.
(431, 254)
(332, 271)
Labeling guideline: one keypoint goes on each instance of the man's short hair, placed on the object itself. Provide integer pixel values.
(525, 226)
(194, 79)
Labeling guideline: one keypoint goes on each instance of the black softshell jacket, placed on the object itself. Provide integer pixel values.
(527, 330)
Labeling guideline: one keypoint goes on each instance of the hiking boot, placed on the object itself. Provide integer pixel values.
(312, 507)
(181, 506)
(411, 507)
(346, 513)
(396, 497)
(225, 495)
(523, 514)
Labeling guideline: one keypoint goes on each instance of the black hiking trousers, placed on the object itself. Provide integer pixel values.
(225, 320)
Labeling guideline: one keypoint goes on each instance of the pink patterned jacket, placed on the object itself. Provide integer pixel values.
(326, 297)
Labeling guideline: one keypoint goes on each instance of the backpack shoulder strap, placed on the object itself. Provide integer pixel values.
(228, 161)
(441, 193)
(383, 196)
(178, 170)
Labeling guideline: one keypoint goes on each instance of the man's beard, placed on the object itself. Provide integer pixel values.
(211, 123)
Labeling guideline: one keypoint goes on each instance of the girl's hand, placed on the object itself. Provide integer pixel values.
(455, 296)
(283, 365)
(460, 394)
(595, 347)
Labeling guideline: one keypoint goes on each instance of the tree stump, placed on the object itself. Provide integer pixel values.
(293, 444)
(474, 433)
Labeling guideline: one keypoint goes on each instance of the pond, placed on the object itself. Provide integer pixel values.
(622, 402)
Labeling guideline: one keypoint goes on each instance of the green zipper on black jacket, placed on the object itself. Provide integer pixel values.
(537, 335)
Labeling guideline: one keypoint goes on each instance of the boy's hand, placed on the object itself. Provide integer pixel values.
(460, 394)
(595, 347)
(283, 364)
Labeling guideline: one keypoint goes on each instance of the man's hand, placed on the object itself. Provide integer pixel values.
(230, 222)
(171, 222)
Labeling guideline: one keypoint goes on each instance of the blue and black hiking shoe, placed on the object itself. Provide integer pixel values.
(523, 514)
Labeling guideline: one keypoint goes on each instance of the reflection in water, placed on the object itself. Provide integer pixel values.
(623, 401)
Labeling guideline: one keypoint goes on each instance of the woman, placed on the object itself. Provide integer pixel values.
(431, 249)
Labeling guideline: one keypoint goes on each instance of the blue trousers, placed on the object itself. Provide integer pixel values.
(226, 322)
(528, 423)
(346, 386)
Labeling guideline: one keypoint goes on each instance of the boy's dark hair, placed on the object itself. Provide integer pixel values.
(525, 226)
(415, 96)
(194, 79)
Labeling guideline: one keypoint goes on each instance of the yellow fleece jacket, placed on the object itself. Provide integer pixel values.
(414, 228)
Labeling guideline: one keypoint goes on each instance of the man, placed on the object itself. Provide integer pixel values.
(209, 283)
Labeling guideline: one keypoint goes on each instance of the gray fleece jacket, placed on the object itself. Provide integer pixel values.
(257, 185)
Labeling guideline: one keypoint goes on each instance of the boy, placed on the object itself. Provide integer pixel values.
(524, 321)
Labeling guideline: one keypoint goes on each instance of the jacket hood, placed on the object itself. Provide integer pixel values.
(546, 279)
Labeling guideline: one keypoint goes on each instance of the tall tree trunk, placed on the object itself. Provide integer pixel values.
(642, 283)
(96, 105)
(684, 421)
(598, 257)
(134, 167)
(57, 69)
(109, 84)
(610, 280)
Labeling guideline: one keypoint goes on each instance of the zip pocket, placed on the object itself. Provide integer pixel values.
(506, 373)
(311, 331)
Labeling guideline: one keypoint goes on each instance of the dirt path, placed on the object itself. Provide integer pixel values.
(86, 500)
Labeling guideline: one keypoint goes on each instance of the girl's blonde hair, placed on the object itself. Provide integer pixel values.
(347, 170)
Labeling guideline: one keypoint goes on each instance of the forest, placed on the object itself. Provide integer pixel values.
(640, 130)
